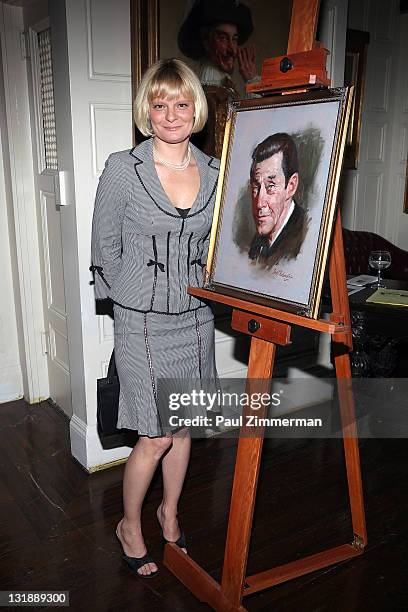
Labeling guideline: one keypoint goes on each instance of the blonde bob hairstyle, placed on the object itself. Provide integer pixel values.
(169, 78)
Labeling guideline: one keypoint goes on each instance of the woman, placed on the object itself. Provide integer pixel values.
(151, 227)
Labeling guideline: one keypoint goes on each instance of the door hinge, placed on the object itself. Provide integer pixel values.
(25, 45)
(45, 342)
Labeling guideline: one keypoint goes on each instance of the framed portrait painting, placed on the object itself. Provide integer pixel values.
(155, 26)
(354, 74)
(276, 198)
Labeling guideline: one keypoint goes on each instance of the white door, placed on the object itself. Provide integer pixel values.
(48, 200)
(367, 187)
(332, 29)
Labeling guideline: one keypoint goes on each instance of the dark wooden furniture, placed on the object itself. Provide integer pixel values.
(380, 334)
(357, 248)
(358, 301)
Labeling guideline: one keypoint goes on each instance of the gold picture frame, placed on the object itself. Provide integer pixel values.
(144, 36)
(317, 122)
(354, 74)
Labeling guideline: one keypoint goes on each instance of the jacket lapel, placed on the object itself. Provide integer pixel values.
(208, 169)
(146, 174)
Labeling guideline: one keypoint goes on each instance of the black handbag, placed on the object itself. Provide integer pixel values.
(108, 400)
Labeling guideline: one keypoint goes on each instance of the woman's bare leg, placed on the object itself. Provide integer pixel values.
(174, 466)
(140, 467)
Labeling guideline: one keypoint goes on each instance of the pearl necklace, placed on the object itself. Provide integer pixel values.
(170, 164)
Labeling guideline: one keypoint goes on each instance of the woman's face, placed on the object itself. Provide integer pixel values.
(172, 119)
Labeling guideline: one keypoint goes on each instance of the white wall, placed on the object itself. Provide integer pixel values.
(373, 193)
(91, 52)
(11, 382)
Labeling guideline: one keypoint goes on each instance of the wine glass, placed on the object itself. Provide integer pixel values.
(379, 260)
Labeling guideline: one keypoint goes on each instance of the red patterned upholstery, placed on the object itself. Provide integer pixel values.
(357, 247)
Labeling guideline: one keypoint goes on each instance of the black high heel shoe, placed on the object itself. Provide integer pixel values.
(135, 563)
(181, 542)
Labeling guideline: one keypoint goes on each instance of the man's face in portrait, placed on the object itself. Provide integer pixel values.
(221, 45)
(271, 198)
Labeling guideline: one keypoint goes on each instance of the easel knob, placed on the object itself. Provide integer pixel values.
(286, 64)
(253, 326)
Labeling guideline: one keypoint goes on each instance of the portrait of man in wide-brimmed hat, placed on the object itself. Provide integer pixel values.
(213, 34)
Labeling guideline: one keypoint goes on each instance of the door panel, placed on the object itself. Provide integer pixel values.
(52, 260)
(51, 254)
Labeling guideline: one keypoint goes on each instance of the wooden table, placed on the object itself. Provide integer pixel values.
(378, 332)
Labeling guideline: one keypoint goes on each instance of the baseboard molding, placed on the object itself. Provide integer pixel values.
(86, 447)
(240, 372)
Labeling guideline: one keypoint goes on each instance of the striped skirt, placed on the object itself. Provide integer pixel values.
(150, 347)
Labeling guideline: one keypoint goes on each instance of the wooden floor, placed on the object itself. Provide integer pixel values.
(57, 522)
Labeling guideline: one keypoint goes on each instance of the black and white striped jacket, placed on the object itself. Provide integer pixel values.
(145, 254)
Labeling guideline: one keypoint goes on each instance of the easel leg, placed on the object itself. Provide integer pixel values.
(245, 482)
(341, 345)
(227, 596)
(350, 442)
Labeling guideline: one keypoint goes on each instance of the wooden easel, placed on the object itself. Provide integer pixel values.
(308, 67)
